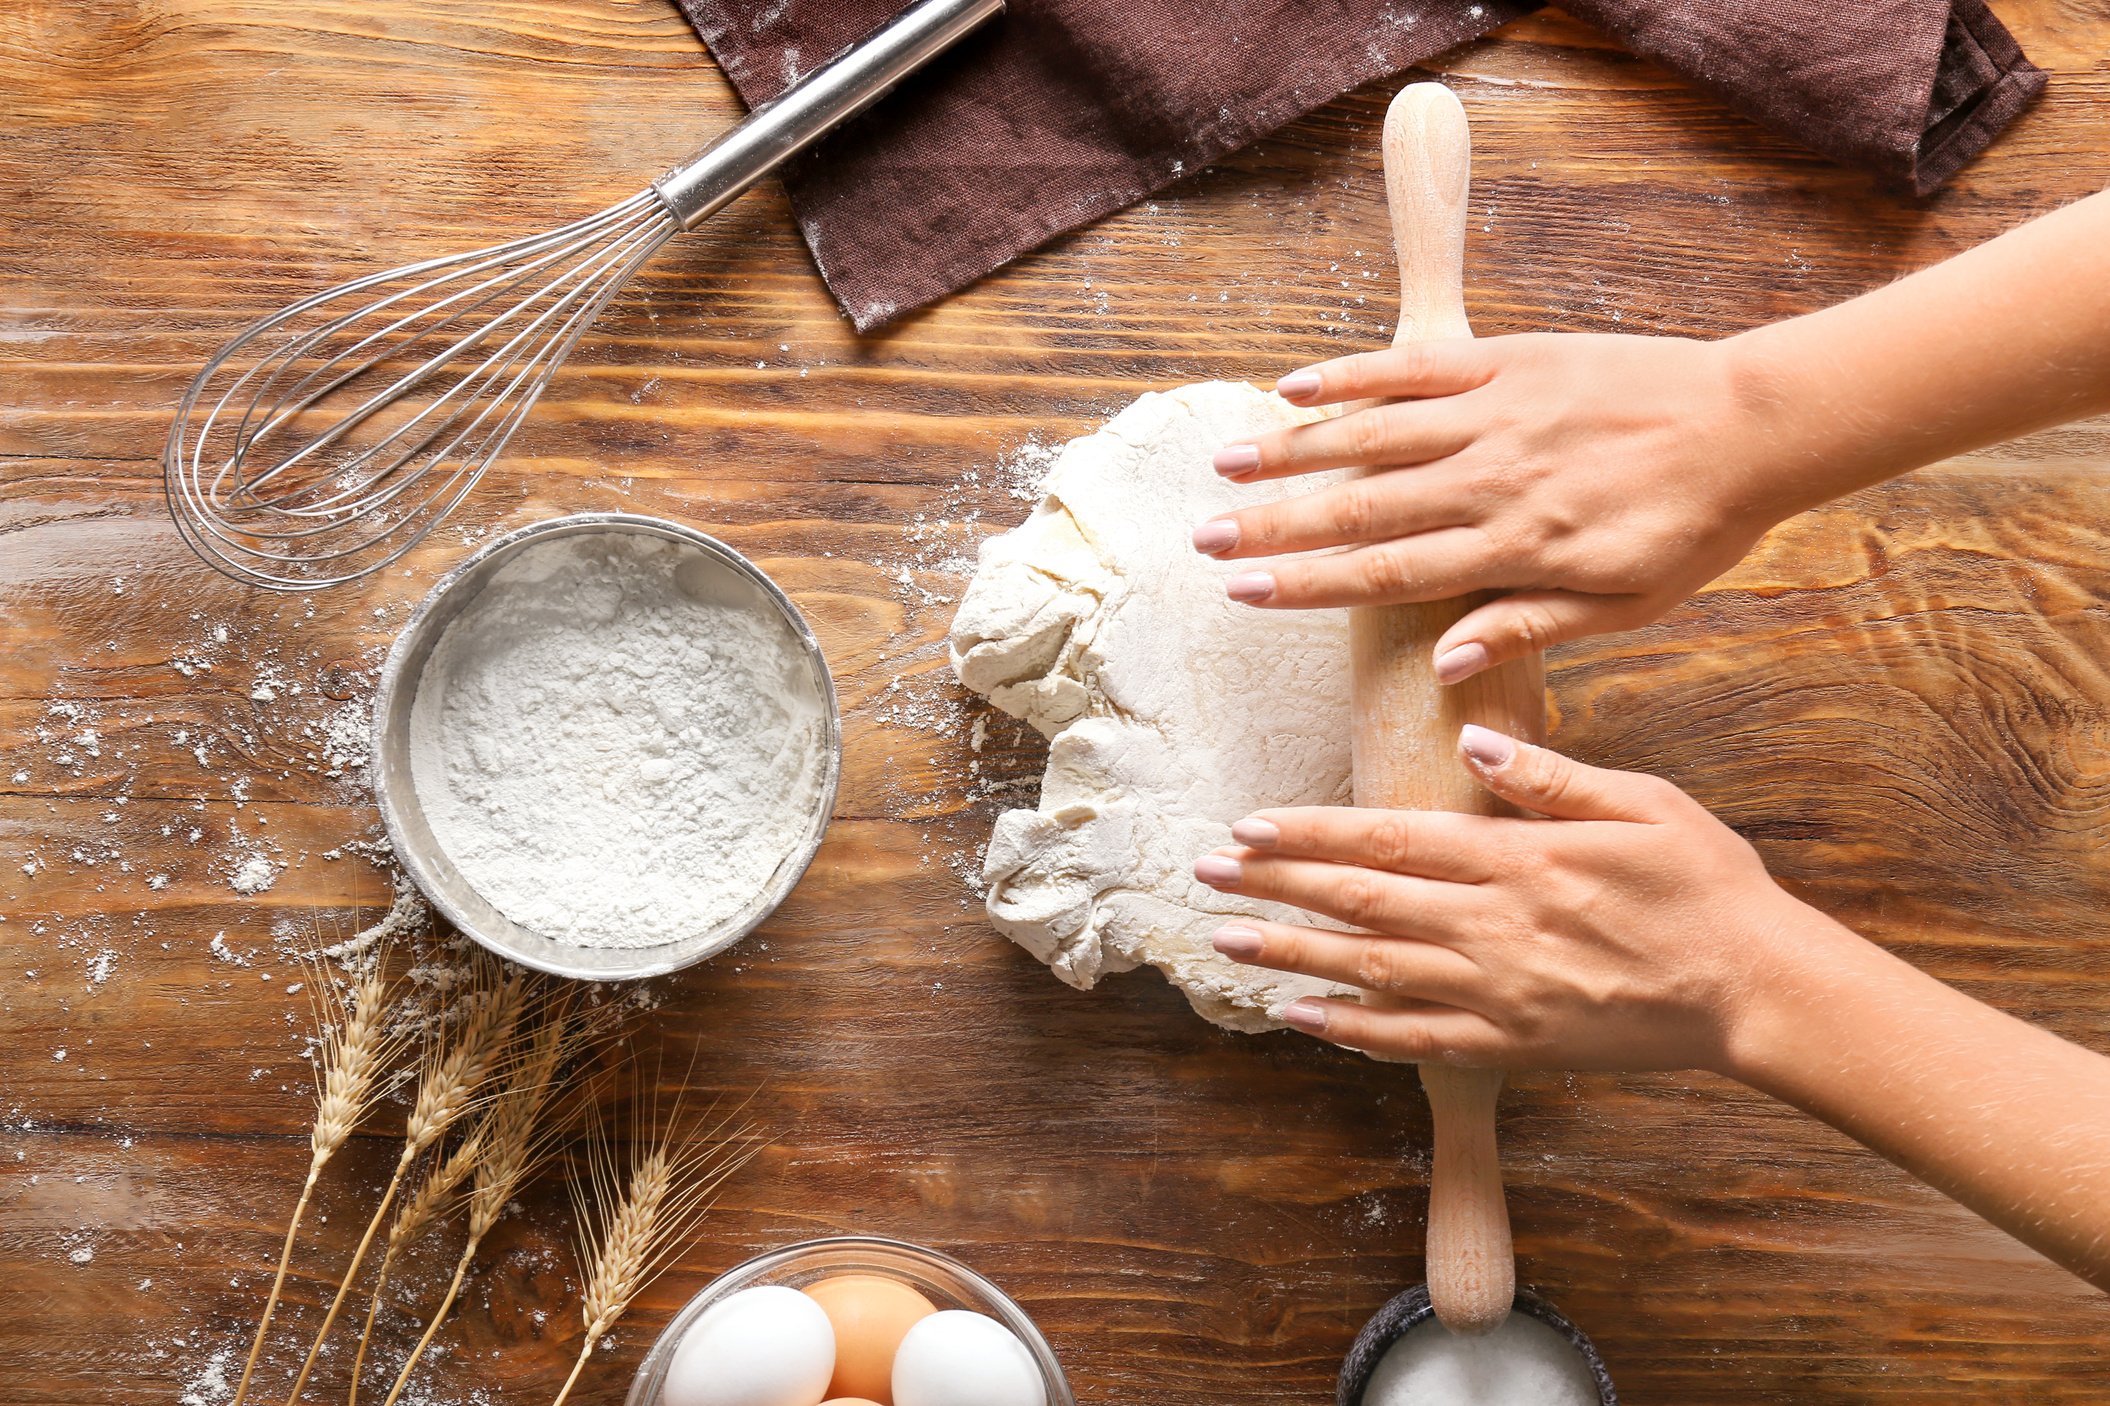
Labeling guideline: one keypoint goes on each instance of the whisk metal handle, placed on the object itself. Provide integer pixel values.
(817, 103)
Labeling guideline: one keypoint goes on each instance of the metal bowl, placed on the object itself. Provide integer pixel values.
(419, 850)
(940, 1278)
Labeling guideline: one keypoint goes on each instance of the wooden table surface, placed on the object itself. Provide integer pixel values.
(1903, 699)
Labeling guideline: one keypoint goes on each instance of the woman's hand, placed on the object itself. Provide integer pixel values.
(1595, 480)
(1628, 930)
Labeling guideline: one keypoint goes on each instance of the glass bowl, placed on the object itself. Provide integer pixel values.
(941, 1279)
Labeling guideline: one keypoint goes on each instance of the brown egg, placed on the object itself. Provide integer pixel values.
(848, 1401)
(871, 1315)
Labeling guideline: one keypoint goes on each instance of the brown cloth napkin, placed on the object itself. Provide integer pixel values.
(1062, 111)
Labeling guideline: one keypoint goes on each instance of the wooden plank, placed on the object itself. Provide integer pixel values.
(1902, 699)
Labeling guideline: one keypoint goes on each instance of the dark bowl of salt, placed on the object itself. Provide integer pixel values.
(1405, 1357)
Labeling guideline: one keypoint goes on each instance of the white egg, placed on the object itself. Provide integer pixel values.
(956, 1358)
(769, 1346)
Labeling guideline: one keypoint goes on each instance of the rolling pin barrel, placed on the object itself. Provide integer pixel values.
(1406, 725)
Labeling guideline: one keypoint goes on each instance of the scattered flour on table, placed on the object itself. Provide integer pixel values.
(1170, 710)
(950, 789)
(1522, 1363)
(254, 874)
(618, 742)
(208, 1385)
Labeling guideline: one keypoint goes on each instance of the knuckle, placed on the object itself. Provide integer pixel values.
(1294, 582)
(1533, 625)
(1390, 842)
(1285, 449)
(1360, 899)
(1496, 477)
(1285, 948)
(1526, 866)
(1386, 573)
(1547, 778)
(1413, 1040)
(1352, 511)
(1377, 966)
(1367, 435)
(1257, 527)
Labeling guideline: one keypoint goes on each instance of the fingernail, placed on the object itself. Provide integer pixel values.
(1460, 662)
(1217, 871)
(1297, 385)
(1237, 460)
(1260, 834)
(1216, 535)
(1485, 746)
(1306, 1014)
(1250, 586)
(1239, 944)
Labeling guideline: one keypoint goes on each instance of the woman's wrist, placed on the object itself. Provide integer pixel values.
(1806, 971)
(1789, 454)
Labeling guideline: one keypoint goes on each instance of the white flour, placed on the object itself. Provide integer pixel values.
(618, 742)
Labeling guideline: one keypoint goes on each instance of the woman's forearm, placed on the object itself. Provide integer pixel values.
(2007, 1118)
(2003, 339)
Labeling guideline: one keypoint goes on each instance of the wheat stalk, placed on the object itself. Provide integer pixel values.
(630, 1224)
(356, 1048)
(450, 1080)
(514, 1138)
(417, 1214)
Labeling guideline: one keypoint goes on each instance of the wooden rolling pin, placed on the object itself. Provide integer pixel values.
(1406, 724)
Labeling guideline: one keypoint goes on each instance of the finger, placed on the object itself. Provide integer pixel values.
(1512, 626)
(1420, 369)
(1432, 843)
(1542, 780)
(1372, 509)
(1397, 966)
(1389, 436)
(1422, 1036)
(1402, 904)
(1449, 561)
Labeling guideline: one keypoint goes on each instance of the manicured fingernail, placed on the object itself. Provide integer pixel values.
(1486, 746)
(1297, 385)
(1216, 535)
(1460, 662)
(1250, 586)
(1237, 460)
(1239, 944)
(1260, 834)
(1217, 871)
(1306, 1014)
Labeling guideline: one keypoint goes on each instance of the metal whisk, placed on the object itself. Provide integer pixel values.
(327, 440)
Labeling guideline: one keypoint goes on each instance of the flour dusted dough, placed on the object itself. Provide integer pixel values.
(1170, 710)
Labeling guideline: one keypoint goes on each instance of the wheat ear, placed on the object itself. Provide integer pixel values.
(449, 1082)
(631, 1223)
(418, 1213)
(356, 1048)
(519, 1138)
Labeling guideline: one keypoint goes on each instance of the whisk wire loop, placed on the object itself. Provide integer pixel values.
(326, 441)
(329, 439)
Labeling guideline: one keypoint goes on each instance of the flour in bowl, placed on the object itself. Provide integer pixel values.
(619, 742)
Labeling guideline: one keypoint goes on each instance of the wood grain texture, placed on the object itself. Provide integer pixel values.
(1903, 699)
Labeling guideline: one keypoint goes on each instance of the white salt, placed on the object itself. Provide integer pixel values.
(1522, 1363)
